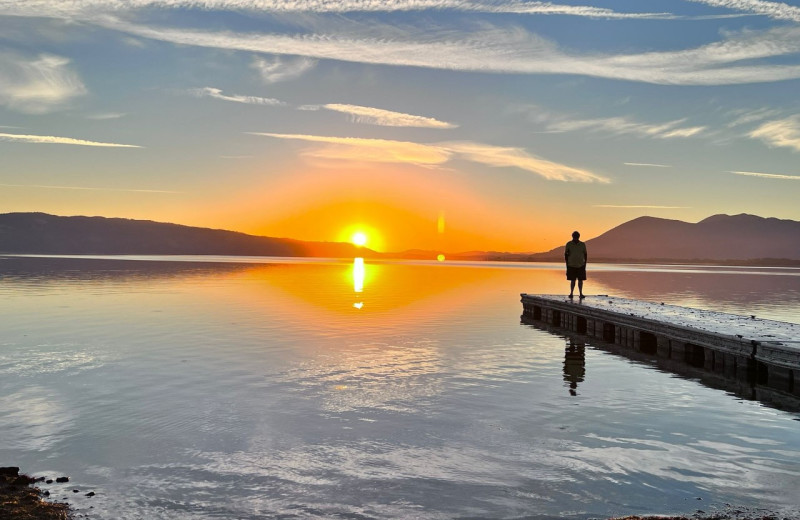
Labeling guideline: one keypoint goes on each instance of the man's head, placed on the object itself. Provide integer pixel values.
(575, 235)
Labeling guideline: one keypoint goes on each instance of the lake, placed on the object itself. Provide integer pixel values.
(287, 388)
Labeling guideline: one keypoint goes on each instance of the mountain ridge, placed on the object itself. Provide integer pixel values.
(741, 238)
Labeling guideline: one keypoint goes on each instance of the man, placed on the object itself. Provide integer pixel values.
(576, 257)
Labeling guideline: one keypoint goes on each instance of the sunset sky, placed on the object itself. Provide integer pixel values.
(451, 125)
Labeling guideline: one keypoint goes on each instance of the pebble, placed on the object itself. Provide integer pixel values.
(62, 479)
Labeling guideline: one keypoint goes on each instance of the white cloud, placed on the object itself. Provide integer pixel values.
(374, 150)
(519, 158)
(776, 10)
(49, 139)
(623, 125)
(381, 150)
(781, 133)
(249, 100)
(87, 7)
(281, 69)
(377, 116)
(769, 175)
(512, 50)
(647, 165)
(38, 85)
(745, 117)
(106, 115)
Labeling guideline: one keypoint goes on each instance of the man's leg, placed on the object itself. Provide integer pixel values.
(571, 287)
(580, 287)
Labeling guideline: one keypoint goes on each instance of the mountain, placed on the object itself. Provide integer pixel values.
(718, 238)
(40, 233)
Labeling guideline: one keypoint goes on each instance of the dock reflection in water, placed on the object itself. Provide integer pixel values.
(747, 387)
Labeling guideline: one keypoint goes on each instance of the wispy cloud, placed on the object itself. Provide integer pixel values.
(372, 150)
(49, 139)
(249, 100)
(775, 10)
(377, 116)
(107, 115)
(779, 176)
(781, 133)
(746, 117)
(647, 165)
(37, 85)
(511, 50)
(84, 7)
(83, 188)
(282, 69)
(381, 150)
(624, 125)
(637, 206)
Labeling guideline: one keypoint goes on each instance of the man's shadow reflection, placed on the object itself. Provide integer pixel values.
(574, 364)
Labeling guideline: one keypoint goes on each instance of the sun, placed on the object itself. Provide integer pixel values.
(359, 238)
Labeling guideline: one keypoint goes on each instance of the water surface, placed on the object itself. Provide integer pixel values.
(300, 389)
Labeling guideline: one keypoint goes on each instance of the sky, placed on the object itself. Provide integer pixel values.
(448, 125)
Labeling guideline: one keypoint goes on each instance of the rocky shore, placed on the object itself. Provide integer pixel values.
(20, 500)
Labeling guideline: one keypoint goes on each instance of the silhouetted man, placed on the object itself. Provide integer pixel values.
(575, 256)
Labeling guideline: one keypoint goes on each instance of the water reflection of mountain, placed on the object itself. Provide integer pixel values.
(747, 389)
(64, 269)
(741, 286)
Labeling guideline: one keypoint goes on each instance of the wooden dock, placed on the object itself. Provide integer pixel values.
(742, 346)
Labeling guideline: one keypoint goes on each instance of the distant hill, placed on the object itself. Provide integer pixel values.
(719, 238)
(40, 233)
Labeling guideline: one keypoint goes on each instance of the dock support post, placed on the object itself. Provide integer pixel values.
(663, 347)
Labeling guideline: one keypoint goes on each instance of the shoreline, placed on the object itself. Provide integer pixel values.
(20, 499)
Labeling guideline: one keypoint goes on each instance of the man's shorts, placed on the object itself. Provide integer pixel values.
(576, 273)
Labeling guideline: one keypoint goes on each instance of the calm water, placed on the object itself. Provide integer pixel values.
(303, 389)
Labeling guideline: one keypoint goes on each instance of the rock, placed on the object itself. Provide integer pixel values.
(90, 494)
(48, 481)
(23, 480)
(46, 493)
(76, 490)
(62, 479)
(10, 471)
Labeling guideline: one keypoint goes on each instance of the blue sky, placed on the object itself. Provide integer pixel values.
(519, 121)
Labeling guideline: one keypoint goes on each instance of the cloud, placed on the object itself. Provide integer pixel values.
(373, 150)
(780, 133)
(377, 116)
(648, 165)
(49, 139)
(769, 175)
(775, 10)
(38, 85)
(429, 155)
(745, 117)
(510, 50)
(87, 7)
(280, 69)
(105, 116)
(83, 188)
(519, 158)
(623, 125)
(637, 206)
(249, 100)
